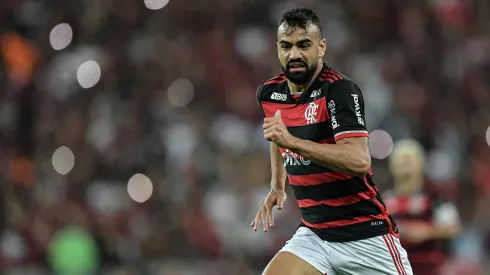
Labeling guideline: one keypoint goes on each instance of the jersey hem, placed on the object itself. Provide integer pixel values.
(357, 237)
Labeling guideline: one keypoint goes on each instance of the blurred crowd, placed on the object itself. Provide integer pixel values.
(176, 102)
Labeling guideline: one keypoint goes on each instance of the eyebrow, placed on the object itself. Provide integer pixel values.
(299, 42)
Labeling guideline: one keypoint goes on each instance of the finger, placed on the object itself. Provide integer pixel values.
(269, 130)
(278, 114)
(256, 221)
(268, 124)
(263, 217)
(252, 224)
(268, 212)
(270, 216)
(280, 203)
(270, 119)
(269, 137)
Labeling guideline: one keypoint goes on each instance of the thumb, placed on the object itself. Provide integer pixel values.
(278, 114)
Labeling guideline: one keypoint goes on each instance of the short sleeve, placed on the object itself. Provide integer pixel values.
(346, 109)
(258, 98)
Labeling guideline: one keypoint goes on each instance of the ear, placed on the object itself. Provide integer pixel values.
(322, 47)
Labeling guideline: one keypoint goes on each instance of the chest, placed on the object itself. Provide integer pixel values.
(299, 114)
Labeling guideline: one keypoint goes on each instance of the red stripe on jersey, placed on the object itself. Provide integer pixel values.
(334, 73)
(326, 78)
(316, 179)
(350, 134)
(384, 211)
(276, 81)
(343, 222)
(330, 75)
(298, 114)
(336, 202)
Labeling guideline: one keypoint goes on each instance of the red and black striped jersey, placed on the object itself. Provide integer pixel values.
(337, 206)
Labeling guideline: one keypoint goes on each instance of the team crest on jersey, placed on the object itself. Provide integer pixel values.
(311, 113)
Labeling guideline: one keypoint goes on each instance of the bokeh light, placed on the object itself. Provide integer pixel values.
(140, 188)
(155, 4)
(88, 74)
(61, 36)
(487, 136)
(63, 160)
(180, 92)
(380, 144)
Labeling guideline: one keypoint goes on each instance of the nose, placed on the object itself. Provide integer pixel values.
(295, 54)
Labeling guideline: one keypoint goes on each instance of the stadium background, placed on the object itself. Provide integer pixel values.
(175, 101)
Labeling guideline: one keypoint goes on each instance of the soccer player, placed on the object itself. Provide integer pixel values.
(426, 222)
(318, 139)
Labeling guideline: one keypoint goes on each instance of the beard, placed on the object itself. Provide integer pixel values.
(299, 77)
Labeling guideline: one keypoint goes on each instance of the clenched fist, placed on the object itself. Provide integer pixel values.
(276, 131)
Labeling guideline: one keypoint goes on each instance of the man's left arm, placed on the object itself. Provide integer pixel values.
(350, 154)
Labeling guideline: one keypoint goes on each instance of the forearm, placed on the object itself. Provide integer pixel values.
(344, 157)
(278, 172)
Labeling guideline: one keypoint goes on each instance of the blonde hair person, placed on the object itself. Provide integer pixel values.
(426, 222)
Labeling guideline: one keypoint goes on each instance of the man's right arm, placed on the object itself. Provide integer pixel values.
(278, 172)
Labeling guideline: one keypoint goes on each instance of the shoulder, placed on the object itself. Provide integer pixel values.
(265, 90)
(337, 83)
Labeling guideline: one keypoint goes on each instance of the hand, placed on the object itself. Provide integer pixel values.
(276, 131)
(265, 212)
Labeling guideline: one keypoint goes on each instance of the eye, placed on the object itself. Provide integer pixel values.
(304, 46)
(285, 46)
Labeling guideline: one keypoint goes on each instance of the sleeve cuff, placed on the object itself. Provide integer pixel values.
(348, 134)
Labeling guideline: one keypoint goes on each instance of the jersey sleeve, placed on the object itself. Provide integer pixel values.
(346, 109)
(258, 97)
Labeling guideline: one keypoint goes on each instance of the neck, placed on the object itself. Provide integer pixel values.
(409, 185)
(299, 88)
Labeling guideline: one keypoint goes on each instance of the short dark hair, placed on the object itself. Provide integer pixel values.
(300, 17)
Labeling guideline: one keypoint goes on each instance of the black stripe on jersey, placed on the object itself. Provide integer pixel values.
(314, 132)
(352, 232)
(326, 213)
(312, 168)
(332, 190)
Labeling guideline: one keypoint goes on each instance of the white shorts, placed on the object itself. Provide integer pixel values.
(377, 255)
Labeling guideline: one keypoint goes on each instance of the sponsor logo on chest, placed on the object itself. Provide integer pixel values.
(279, 96)
(293, 159)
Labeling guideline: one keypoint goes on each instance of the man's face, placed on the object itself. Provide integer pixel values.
(300, 51)
(406, 166)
